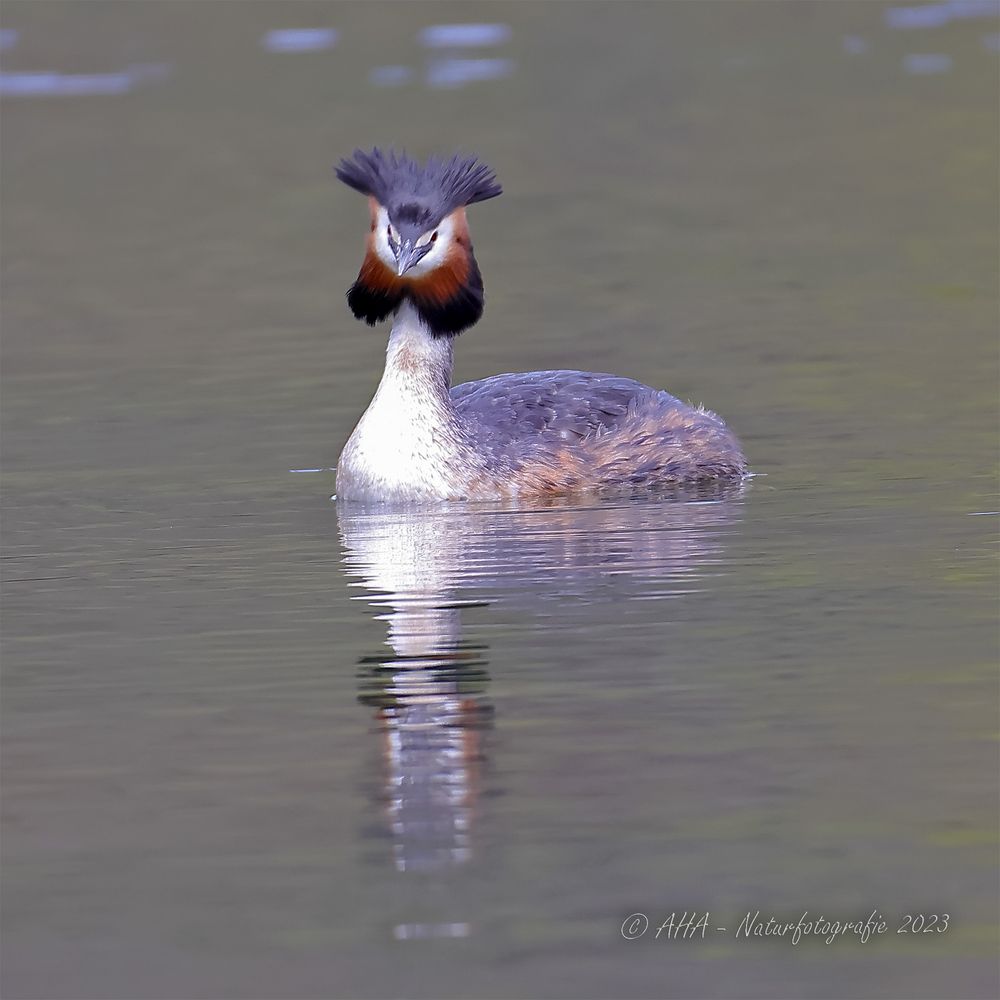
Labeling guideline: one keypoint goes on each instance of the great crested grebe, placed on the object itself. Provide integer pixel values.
(533, 434)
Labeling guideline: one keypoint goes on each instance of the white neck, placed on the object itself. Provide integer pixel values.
(413, 349)
(407, 444)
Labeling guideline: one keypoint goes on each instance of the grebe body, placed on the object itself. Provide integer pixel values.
(531, 434)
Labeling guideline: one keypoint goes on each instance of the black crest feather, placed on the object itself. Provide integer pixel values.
(412, 191)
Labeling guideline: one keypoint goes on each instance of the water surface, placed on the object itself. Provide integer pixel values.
(260, 744)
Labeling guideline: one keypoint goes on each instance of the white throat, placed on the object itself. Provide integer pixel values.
(407, 444)
(412, 346)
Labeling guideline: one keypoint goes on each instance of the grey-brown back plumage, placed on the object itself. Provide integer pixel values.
(564, 404)
(589, 426)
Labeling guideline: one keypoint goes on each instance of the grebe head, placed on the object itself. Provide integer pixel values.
(418, 247)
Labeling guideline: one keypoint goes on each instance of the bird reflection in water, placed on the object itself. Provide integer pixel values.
(421, 566)
(429, 692)
(430, 708)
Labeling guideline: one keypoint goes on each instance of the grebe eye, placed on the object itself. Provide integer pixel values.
(434, 236)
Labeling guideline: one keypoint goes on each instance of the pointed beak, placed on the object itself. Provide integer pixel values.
(406, 256)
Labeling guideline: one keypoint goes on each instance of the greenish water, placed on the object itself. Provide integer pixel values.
(256, 745)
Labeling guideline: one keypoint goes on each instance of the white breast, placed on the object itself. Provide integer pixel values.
(407, 445)
(399, 450)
